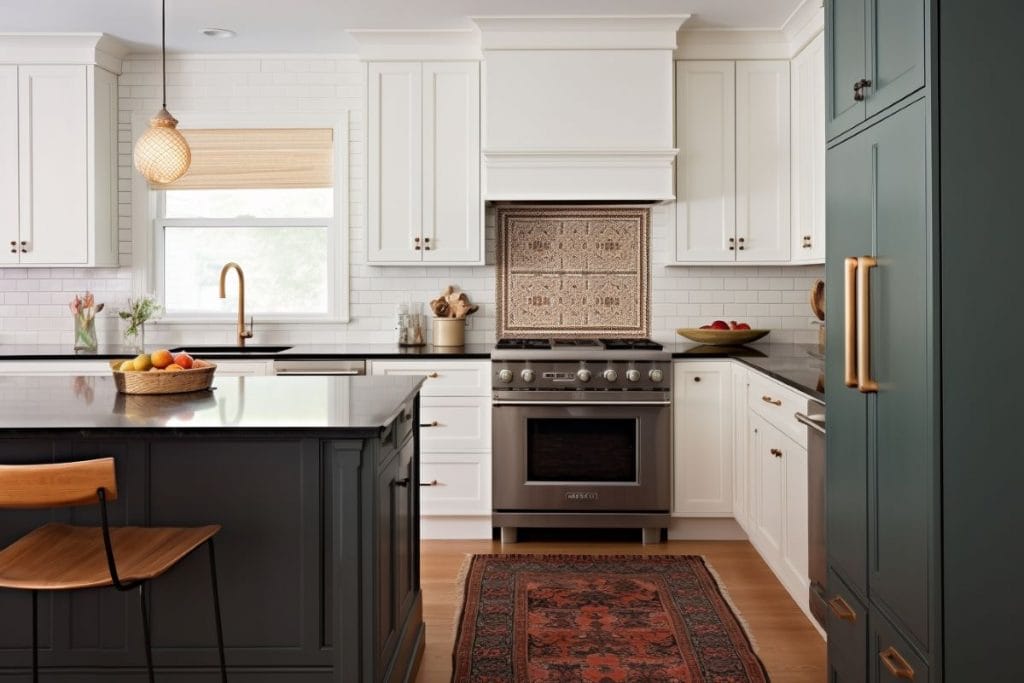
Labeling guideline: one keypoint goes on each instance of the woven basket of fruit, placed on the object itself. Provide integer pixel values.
(162, 373)
(721, 333)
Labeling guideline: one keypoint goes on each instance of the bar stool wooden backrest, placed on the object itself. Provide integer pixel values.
(57, 485)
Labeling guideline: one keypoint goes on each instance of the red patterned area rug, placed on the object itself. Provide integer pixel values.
(598, 618)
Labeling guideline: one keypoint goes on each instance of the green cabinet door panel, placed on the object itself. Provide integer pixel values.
(896, 51)
(847, 628)
(848, 215)
(845, 50)
(891, 659)
(902, 458)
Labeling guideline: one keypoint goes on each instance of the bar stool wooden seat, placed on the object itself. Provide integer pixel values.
(58, 557)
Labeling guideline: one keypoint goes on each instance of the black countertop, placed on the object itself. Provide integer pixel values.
(352, 405)
(800, 366)
(296, 352)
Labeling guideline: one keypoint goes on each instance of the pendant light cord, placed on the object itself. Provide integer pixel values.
(163, 48)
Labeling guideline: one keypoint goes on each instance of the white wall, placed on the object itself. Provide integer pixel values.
(33, 303)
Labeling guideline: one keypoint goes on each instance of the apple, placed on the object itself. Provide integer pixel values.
(742, 326)
(719, 325)
(732, 324)
(183, 360)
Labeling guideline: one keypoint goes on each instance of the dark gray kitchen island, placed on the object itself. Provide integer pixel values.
(315, 482)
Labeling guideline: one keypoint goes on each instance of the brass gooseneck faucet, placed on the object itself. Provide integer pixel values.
(243, 333)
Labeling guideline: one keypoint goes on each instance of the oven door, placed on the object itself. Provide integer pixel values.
(581, 456)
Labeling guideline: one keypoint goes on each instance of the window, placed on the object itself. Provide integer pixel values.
(263, 201)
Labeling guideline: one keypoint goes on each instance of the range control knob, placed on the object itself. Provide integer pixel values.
(583, 375)
(527, 375)
(505, 375)
(610, 375)
(656, 375)
(633, 375)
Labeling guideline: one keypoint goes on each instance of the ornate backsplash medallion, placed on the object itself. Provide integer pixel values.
(572, 271)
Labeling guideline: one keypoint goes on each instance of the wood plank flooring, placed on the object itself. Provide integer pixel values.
(791, 649)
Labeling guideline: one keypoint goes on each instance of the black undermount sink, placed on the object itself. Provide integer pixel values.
(255, 348)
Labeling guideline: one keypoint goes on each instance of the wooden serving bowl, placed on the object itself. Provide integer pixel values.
(178, 382)
(721, 337)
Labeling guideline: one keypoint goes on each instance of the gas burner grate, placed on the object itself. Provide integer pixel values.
(523, 344)
(631, 345)
(575, 343)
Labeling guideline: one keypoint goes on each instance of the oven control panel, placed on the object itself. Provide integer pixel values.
(617, 375)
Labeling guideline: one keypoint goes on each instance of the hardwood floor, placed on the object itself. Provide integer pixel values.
(791, 649)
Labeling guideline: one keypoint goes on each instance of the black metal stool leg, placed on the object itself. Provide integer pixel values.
(35, 636)
(145, 632)
(216, 613)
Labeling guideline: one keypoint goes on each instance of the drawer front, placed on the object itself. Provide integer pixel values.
(778, 405)
(891, 658)
(455, 425)
(444, 377)
(242, 368)
(847, 626)
(455, 485)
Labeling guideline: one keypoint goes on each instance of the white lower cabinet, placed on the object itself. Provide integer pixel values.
(455, 444)
(740, 465)
(703, 439)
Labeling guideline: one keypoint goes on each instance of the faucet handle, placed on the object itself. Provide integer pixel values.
(252, 327)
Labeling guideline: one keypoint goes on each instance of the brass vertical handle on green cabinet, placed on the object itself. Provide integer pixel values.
(896, 664)
(850, 321)
(865, 383)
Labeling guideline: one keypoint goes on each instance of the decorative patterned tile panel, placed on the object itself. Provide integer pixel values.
(573, 271)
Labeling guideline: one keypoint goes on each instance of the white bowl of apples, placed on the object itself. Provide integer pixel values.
(721, 333)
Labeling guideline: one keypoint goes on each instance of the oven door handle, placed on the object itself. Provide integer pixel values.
(581, 403)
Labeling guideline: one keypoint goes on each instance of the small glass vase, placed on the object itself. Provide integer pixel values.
(85, 334)
(137, 341)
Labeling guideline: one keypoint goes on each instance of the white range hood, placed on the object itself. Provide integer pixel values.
(578, 108)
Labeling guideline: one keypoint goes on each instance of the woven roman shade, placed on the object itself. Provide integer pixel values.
(239, 158)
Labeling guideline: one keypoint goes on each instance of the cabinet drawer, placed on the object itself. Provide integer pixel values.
(455, 484)
(455, 424)
(891, 658)
(444, 378)
(778, 405)
(847, 626)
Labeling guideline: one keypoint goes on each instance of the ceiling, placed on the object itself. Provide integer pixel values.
(320, 25)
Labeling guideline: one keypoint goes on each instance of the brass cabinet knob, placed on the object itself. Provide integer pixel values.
(433, 423)
(432, 482)
(858, 89)
(776, 452)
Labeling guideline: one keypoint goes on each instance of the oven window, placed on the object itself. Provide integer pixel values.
(580, 450)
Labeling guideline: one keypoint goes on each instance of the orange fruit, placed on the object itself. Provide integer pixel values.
(161, 358)
(183, 360)
(174, 367)
(197, 363)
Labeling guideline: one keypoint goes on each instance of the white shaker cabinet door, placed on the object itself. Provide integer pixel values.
(394, 162)
(9, 248)
(54, 164)
(706, 165)
(452, 216)
(703, 435)
(762, 161)
(808, 111)
(768, 513)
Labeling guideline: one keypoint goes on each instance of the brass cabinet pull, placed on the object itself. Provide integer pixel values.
(858, 89)
(434, 423)
(850, 321)
(842, 609)
(895, 663)
(402, 482)
(732, 243)
(865, 383)
(432, 482)
(433, 375)
(776, 452)
(773, 401)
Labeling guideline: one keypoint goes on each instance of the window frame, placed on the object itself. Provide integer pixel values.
(148, 222)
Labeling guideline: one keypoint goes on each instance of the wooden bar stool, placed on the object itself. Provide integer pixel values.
(58, 557)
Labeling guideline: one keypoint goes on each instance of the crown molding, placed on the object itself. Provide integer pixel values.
(417, 44)
(99, 49)
(580, 32)
(806, 22)
(784, 42)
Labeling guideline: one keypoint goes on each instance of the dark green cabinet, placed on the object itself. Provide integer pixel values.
(875, 57)
(847, 627)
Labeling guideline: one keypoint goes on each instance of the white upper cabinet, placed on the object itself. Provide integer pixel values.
(762, 161)
(808, 107)
(705, 167)
(64, 212)
(423, 163)
(733, 176)
(703, 433)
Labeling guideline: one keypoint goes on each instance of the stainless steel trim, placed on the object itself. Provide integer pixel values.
(346, 368)
(816, 422)
(581, 403)
(319, 372)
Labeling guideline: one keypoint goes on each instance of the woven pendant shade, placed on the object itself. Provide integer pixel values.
(162, 154)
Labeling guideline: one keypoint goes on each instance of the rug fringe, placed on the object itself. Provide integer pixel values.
(460, 586)
(732, 605)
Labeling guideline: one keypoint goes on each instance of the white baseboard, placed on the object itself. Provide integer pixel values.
(456, 528)
(705, 529)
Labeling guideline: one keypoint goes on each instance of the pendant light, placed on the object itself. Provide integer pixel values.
(162, 154)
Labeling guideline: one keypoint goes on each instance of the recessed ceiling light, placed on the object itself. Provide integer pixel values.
(217, 32)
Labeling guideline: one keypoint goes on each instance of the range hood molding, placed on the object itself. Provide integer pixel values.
(578, 108)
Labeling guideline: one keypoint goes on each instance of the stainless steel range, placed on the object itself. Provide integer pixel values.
(581, 435)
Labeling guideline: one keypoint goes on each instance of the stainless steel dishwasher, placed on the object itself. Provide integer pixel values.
(817, 561)
(320, 367)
